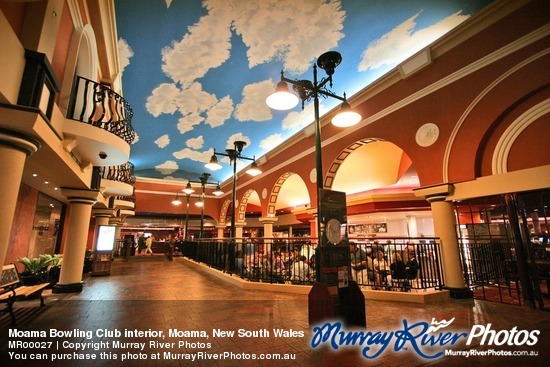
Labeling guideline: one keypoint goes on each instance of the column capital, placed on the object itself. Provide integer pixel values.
(23, 142)
(268, 220)
(435, 192)
(81, 196)
(221, 226)
(240, 224)
(116, 221)
(106, 213)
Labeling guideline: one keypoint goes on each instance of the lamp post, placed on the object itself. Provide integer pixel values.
(233, 155)
(283, 99)
(203, 181)
(177, 201)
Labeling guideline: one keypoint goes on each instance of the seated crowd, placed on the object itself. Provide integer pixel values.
(390, 267)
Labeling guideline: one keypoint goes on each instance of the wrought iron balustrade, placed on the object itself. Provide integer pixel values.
(130, 198)
(98, 105)
(123, 173)
(293, 261)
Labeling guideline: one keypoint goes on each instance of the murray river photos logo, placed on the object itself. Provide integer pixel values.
(427, 340)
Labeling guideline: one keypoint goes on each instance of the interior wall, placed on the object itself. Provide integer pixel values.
(22, 224)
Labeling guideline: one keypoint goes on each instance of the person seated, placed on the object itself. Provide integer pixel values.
(412, 266)
(361, 265)
(381, 269)
(300, 271)
(398, 272)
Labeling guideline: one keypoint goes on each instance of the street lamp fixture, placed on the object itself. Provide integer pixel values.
(176, 201)
(188, 189)
(283, 99)
(218, 191)
(233, 155)
(203, 181)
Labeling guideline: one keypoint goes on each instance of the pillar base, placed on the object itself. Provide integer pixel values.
(68, 288)
(460, 293)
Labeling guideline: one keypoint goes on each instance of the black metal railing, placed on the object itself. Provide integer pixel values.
(399, 264)
(491, 270)
(130, 198)
(98, 105)
(122, 173)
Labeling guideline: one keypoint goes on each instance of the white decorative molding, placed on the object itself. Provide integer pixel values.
(415, 63)
(313, 175)
(427, 134)
(507, 139)
(476, 100)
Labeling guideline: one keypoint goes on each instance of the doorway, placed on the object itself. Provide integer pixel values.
(505, 249)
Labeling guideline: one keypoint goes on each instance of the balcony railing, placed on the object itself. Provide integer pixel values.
(403, 264)
(96, 104)
(123, 173)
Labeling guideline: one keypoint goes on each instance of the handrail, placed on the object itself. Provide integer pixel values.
(98, 105)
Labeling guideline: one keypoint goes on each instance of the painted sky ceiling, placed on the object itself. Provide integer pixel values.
(197, 72)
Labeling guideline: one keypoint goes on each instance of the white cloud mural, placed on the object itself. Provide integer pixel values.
(200, 71)
(194, 155)
(271, 142)
(195, 143)
(163, 141)
(125, 53)
(253, 106)
(167, 167)
(237, 137)
(404, 41)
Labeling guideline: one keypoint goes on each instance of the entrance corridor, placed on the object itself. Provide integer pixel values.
(152, 293)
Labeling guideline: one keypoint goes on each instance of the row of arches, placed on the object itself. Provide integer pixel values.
(365, 165)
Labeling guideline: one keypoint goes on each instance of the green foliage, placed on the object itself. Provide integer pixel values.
(57, 260)
(40, 263)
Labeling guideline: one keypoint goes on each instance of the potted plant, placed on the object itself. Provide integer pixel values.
(55, 269)
(36, 270)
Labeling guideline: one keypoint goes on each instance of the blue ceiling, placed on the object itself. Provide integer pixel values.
(197, 72)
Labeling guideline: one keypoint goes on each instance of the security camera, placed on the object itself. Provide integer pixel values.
(102, 155)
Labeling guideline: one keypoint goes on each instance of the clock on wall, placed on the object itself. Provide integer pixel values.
(334, 231)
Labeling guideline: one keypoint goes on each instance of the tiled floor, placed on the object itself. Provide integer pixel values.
(152, 293)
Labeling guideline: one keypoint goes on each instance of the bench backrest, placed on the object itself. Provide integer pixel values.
(9, 276)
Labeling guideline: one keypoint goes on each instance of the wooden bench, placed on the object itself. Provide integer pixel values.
(12, 290)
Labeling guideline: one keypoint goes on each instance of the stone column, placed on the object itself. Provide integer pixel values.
(268, 225)
(445, 229)
(268, 231)
(412, 227)
(221, 228)
(313, 224)
(78, 223)
(118, 223)
(239, 231)
(14, 149)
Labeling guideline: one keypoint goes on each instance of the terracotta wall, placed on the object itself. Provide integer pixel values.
(15, 13)
(22, 224)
